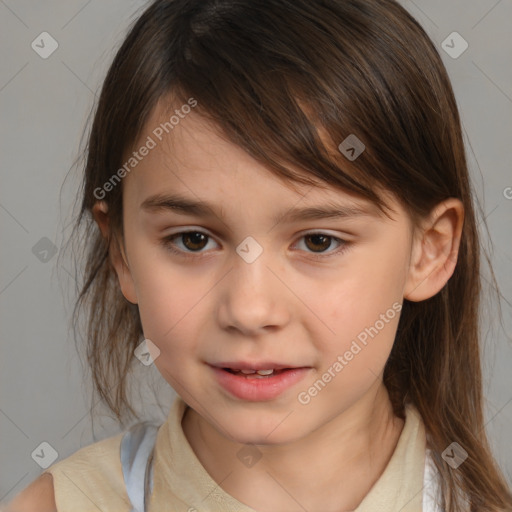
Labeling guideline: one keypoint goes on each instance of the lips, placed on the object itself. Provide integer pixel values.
(255, 387)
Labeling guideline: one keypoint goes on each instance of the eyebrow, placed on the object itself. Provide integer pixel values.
(185, 206)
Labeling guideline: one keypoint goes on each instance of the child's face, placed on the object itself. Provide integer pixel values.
(336, 315)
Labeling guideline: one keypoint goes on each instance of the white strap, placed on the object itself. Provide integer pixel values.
(136, 459)
(431, 494)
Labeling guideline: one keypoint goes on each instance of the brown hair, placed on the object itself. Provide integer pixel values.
(273, 75)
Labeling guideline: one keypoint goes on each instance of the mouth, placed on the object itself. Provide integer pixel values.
(262, 382)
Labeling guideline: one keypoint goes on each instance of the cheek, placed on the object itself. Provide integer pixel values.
(363, 307)
(355, 356)
(169, 299)
(379, 277)
(170, 316)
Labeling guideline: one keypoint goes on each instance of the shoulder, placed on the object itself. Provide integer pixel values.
(91, 474)
(99, 457)
(38, 496)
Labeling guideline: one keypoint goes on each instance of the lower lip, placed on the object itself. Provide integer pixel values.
(256, 389)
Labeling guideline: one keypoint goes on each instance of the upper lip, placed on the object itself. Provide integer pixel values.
(245, 365)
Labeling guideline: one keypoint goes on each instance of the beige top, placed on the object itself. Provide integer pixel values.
(91, 479)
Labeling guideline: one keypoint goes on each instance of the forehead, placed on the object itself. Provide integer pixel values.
(189, 156)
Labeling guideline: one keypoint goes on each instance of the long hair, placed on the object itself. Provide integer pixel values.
(288, 81)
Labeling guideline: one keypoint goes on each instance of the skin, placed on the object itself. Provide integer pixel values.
(285, 306)
(36, 497)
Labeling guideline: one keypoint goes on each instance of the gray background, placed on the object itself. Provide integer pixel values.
(44, 104)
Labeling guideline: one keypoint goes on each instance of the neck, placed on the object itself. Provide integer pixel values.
(331, 469)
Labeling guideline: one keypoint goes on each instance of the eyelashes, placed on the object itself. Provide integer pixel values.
(196, 238)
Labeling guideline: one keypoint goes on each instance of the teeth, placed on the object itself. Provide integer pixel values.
(265, 372)
(259, 372)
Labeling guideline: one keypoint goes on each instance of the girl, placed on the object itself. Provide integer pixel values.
(279, 209)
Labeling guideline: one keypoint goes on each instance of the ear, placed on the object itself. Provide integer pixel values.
(116, 253)
(435, 250)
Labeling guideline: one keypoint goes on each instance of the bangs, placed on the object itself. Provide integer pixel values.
(286, 109)
(289, 82)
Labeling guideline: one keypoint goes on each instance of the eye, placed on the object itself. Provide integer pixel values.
(319, 242)
(194, 241)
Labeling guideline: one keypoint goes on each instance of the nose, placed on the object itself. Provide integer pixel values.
(252, 298)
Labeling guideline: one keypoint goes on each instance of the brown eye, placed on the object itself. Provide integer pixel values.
(319, 242)
(186, 242)
(192, 243)
(322, 245)
(193, 240)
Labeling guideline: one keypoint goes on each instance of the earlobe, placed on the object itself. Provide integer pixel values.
(435, 251)
(116, 253)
